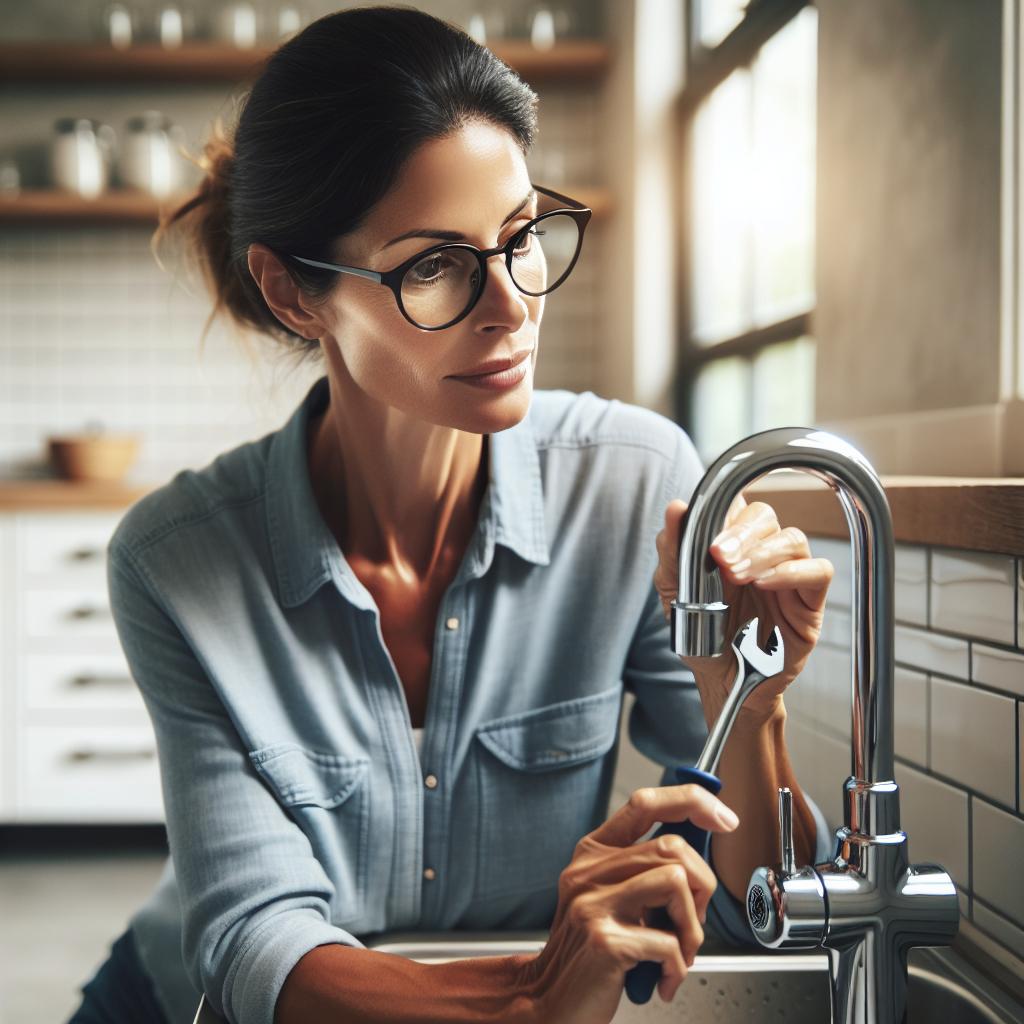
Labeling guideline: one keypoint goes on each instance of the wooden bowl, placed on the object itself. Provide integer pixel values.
(93, 456)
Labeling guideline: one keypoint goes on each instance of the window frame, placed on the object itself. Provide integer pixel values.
(706, 69)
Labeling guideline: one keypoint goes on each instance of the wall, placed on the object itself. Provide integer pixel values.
(917, 233)
(959, 706)
(91, 329)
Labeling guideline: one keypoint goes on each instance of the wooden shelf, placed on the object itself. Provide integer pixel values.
(46, 493)
(41, 62)
(52, 206)
(125, 206)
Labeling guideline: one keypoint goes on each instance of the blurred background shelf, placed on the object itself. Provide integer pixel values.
(23, 62)
(126, 206)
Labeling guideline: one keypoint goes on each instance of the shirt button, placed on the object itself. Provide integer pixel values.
(452, 623)
(430, 782)
(429, 874)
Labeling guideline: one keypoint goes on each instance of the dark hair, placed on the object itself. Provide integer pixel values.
(322, 135)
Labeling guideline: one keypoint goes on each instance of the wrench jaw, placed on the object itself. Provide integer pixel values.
(753, 666)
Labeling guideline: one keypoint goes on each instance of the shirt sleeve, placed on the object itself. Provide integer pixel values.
(254, 898)
(666, 722)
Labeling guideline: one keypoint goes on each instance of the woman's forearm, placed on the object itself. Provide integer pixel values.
(363, 986)
(754, 764)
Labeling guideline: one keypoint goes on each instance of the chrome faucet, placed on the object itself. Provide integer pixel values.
(868, 905)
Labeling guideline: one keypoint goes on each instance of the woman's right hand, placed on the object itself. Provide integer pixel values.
(599, 931)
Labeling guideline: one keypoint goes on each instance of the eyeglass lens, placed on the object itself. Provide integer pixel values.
(441, 286)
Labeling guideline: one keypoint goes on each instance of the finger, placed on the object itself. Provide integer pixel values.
(788, 544)
(653, 804)
(756, 521)
(666, 886)
(810, 577)
(739, 503)
(618, 865)
(667, 540)
(633, 943)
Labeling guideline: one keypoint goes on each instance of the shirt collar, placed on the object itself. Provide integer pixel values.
(305, 552)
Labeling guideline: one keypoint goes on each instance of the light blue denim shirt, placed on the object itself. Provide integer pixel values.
(298, 812)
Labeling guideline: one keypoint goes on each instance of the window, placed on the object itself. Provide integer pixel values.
(747, 357)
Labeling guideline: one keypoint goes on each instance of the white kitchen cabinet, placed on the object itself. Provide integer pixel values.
(76, 743)
(85, 773)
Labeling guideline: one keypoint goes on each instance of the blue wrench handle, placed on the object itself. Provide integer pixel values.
(642, 979)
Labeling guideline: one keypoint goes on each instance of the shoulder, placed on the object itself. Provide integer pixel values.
(195, 498)
(625, 434)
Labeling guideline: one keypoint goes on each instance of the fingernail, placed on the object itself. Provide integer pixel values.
(726, 816)
(738, 567)
(729, 545)
(765, 574)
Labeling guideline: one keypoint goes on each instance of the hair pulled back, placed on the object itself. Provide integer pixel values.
(323, 134)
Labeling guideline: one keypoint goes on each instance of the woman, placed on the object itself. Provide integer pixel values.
(420, 553)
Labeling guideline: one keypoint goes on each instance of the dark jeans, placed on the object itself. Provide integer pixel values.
(120, 992)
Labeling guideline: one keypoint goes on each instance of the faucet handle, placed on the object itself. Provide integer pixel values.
(786, 907)
(786, 857)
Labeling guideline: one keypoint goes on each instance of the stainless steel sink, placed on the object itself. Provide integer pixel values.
(726, 985)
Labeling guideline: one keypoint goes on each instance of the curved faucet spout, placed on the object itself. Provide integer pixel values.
(699, 615)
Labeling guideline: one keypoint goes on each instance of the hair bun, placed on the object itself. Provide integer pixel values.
(217, 159)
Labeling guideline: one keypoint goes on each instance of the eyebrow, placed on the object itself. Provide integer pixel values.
(453, 236)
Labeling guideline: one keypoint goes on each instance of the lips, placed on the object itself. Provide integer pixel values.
(496, 365)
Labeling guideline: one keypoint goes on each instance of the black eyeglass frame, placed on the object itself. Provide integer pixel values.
(393, 278)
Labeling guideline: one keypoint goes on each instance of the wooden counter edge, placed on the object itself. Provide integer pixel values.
(974, 514)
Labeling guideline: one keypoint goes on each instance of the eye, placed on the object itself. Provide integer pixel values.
(429, 270)
(524, 240)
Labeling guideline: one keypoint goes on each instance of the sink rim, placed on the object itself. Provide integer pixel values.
(946, 968)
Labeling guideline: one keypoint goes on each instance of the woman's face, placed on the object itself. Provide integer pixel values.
(468, 183)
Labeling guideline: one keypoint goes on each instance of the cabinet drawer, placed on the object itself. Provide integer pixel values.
(61, 682)
(65, 546)
(88, 773)
(68, 613)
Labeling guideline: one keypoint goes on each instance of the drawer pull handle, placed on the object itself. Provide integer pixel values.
(142, 754)
(87, 611)
(85, 554)
(91, 679)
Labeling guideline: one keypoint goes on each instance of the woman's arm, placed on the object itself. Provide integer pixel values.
(754, 764)
(364, 986)
(767, 572)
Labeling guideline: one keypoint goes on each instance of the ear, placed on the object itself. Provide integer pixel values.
(284, 297)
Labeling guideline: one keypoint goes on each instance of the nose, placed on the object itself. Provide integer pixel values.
(501, 303)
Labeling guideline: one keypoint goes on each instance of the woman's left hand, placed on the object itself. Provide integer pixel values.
(767, 571)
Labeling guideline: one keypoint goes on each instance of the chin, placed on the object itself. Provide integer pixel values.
(491, 413)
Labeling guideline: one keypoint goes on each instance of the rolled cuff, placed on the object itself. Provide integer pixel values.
(260, 969)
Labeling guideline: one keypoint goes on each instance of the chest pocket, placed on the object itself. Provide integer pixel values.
(542, 783)
(328, 797)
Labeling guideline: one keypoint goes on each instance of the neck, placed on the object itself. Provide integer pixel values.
(394, 491)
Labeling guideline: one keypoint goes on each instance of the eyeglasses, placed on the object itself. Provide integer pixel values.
(439, 287)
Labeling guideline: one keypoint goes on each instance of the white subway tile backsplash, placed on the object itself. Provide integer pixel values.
(911, 715)
(838, 552)
(921, 649)
(821, 764)
(973, 739)
(911, 584)
(934, 816)
(998, 927)
(973, 593)
(997, 845)
(995, 667)
(836, 627)
(832, 686)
